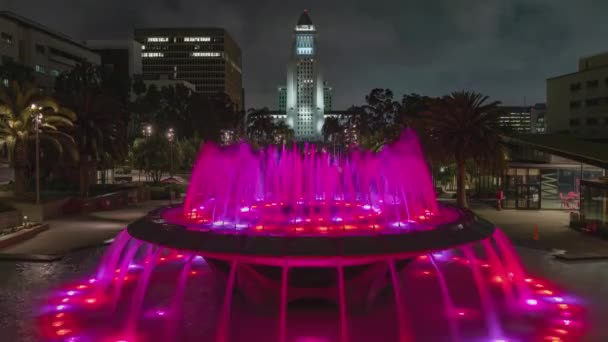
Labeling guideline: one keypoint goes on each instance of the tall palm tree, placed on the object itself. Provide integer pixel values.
(17, 125)
(461, 126)
(100, 133)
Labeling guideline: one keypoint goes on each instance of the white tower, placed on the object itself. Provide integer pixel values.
(305, 105)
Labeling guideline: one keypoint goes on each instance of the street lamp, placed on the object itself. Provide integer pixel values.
(147, 131)
(37, 121)
(171, 137)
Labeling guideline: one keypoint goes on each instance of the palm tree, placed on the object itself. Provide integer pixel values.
(19, 105)
(100, 133)
(461, 126)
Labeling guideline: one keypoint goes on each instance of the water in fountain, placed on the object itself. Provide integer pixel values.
(159, 291)
(285, 188)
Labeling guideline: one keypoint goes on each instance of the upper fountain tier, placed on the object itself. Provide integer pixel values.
(279, 188)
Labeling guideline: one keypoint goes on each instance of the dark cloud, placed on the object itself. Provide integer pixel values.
(504, 48)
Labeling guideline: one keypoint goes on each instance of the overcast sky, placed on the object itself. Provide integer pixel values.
(503, 48)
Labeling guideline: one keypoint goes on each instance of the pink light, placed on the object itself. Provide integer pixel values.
(245, 209)
(92, 280)
(90, 300)
(558, 299)
(71, 293)
(63, 332)
(60, 307)
(567, 322)
(531, 302)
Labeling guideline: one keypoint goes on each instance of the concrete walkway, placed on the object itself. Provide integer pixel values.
(76, 232)
(553, 230)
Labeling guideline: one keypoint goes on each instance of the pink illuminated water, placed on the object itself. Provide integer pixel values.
(475, 291)
(291, 189)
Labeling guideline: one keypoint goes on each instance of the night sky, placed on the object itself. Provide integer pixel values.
(503, 48)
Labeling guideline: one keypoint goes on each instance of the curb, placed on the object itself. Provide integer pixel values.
(22, 235)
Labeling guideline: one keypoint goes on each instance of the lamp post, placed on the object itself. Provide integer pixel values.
(37, 121)
(171, 137)
(147, 131)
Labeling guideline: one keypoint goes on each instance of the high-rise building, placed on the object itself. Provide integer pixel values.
(209, 58)
(305, 98)
(47, 52)
(578, 102)
(515, 119)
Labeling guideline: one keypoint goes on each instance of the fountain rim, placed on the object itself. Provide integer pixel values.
(310, 250)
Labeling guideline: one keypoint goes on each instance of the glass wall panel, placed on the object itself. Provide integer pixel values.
(594, 207)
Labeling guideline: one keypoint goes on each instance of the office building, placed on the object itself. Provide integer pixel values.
(578, 102)
(47, 52)
(305, 98)
(209, 58)
(515, 119)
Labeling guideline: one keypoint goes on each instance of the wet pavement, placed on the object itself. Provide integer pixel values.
(24, 284)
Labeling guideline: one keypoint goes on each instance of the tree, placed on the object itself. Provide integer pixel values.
(333, 131)
(461, 126)
(151, 154)
(100, 132)
(376, 121)
(260, 126)
(17, 125)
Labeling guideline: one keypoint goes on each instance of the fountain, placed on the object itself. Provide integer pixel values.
(288, 244)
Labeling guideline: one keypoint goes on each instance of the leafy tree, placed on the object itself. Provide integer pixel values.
(461, 126)
(17, 125)
(333, 131)
(260, 126)
(152, 154)
(100, 131)
(376, 121)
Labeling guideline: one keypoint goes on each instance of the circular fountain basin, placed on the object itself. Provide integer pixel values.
(167, 227)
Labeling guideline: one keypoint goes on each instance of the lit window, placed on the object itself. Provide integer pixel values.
(197, 39)
(152, 54)
(54, 73)
(206, 54)
(158, 39)
(40, 69)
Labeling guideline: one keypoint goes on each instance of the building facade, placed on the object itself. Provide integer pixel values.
(209, 58)
(48, 53)
(305, 98)
(122, 56)
(515, 119)
(578, 102)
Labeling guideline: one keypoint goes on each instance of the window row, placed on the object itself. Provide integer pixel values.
(591, 84)
(589, 122)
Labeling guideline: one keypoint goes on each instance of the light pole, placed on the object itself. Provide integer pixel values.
(37, 121)
(147, 131)
(171, 137)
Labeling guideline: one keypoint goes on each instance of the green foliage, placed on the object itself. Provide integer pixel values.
(17, 125)
(263, 130)
(154, 154)
(461, 128)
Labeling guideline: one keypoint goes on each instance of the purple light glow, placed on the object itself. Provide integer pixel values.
(532, 302)
(367, 190)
